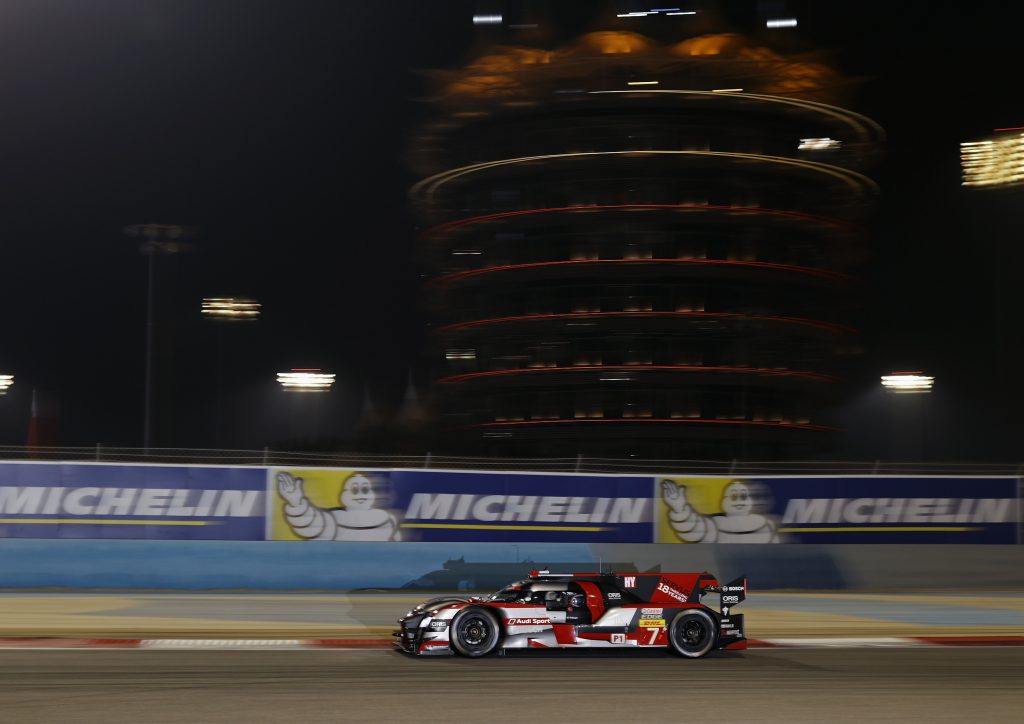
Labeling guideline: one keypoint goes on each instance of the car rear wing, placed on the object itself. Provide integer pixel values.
(733, 593)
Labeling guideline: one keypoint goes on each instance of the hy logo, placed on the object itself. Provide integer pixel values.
(629, 581)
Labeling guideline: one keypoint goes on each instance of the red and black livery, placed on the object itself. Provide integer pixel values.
(582, 610)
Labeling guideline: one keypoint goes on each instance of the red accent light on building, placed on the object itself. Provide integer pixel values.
(663, 420)
(809, 271)
(641, 368)
(600, 207)
(828, 326)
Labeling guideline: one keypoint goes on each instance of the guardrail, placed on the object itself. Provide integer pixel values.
(579, 463)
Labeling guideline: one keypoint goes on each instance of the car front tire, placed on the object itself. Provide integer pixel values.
(475, 632)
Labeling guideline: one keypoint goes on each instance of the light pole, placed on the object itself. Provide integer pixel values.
(156, 239)
(5, 383)
(906, 418)
(306, 381)
(223, 310)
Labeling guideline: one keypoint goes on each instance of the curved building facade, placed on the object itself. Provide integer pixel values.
(638, 249)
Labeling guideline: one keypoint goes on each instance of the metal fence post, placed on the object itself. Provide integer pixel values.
(426, 460)
(266, 453)
(99, 447)
(579, 460)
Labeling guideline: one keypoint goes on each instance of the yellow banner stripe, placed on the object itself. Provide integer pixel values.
(102, 521)
(466, 526)
(885, 529)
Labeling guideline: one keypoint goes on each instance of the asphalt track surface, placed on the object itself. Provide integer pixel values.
(925, 684)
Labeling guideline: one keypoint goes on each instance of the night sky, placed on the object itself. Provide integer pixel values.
(281, 130)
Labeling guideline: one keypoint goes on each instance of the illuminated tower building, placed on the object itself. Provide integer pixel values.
(646, 249)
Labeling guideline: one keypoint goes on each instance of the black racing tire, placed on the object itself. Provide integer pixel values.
(474, 632)
(692, 634)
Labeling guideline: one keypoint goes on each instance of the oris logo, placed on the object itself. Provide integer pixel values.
(730, 599)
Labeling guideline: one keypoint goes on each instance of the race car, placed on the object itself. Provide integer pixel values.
(581, 610)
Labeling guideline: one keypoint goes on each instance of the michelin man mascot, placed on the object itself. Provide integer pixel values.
(358, 520)
(738, 523)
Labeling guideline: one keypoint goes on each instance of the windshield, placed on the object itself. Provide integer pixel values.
(512, 592)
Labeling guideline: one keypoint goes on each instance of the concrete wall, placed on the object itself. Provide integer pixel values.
(258, 565)
(210, 565)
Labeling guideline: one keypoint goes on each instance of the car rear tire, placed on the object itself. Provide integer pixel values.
(692, 634)
(475, 632)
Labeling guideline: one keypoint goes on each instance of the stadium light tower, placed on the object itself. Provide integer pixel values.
(230, 309)
(997, 161)
(305, 380)
(908, 382)
(156, 239)
(222, 310)
(908, 412)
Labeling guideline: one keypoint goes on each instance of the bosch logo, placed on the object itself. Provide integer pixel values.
(733, 588)
(730, 599)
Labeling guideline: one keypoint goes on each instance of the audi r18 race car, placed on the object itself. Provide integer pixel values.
(581, 610)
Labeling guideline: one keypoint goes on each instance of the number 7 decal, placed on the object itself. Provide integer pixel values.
(654, 635)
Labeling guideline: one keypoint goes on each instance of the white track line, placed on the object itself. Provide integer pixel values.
(220, 643)
(881, 641)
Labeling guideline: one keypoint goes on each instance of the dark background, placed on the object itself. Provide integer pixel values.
(280, 130)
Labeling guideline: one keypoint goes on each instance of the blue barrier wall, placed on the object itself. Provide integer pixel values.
(151, 564)
(246, 565)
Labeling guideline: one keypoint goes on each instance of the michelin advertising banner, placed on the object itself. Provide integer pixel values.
(43, 500)
(179, 502)
(837, 510)
(411, 505)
